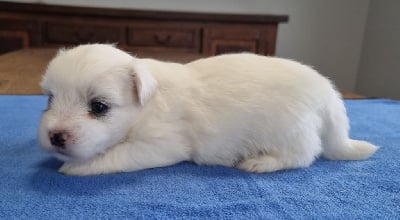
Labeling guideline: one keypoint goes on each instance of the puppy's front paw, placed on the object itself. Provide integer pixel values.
(75, 169)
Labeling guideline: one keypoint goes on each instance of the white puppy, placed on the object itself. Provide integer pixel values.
(111, 112)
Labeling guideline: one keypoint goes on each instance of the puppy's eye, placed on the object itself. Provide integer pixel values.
(49, 100)
(98, 108)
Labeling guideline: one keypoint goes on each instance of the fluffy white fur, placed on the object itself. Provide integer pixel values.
(259, 114)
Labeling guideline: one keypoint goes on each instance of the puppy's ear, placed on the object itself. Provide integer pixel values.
(144, 83)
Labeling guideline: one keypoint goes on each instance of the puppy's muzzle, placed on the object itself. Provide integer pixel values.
(59, 139)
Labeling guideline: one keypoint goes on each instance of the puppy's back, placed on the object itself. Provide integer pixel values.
(253, 76)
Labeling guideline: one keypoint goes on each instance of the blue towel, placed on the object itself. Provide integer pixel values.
(31, 187)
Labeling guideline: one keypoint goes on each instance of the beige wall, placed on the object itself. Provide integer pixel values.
(379, 73)
(326, 34)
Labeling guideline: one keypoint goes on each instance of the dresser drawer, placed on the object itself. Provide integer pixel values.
(163, 37)
(219, 39)
(62, 33)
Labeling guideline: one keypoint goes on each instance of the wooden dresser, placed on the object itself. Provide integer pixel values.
(37, 25)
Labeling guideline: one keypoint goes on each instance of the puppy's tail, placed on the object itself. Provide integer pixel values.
(355, 150)
(335, 135)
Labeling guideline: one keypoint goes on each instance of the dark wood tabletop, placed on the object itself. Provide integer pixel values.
(21, 71)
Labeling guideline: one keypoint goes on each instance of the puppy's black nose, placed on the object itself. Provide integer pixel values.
(57, 139)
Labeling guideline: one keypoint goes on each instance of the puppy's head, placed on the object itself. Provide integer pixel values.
(95, 93)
